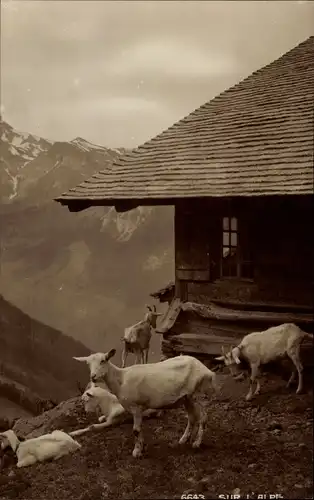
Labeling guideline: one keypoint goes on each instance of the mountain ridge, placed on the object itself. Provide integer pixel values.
(36, 361)
(88, 274)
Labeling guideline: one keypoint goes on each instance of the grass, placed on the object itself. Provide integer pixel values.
(265, 446)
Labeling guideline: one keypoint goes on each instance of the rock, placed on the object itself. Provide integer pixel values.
(225, 406)
(65, 416)
(299, 486)
(274, 426)
(302, 445)
(106, 490)
(205, 480)
(236, 491)
(276, 432)
(293, 427)
(252, 466)
(188, 492)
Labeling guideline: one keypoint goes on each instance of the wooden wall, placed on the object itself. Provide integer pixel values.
(280, 237)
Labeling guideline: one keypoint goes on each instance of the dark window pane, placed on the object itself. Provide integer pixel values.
(234, 239)
(226, 239)
(226, 223)
(234, 224)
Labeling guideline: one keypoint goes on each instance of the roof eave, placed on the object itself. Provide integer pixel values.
(126, 204)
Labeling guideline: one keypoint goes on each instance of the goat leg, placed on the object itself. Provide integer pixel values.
(137, 431)
(191, 413)
(254, 374)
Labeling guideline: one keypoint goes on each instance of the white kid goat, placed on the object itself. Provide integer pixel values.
(112, 411)
(157, 385)
(137, 337)
(46, 447)
(259, 348)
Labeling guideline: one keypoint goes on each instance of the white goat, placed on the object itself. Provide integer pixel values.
(157, 385)
(137, 337)
(112, 411)
(49, 446)
(259, 348)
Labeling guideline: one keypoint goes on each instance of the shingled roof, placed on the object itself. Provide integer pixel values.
(254, 139)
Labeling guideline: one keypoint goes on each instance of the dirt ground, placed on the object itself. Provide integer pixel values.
(258, 448)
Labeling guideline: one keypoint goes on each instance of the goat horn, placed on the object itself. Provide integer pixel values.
(154, 308)
(149, 308)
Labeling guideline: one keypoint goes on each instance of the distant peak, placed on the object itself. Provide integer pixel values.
(78, 139)
(85, 145)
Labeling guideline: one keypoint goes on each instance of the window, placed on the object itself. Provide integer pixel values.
(235, 261)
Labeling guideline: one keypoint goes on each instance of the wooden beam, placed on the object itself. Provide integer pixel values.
(201, 344)
(211, 344)
(263, 317)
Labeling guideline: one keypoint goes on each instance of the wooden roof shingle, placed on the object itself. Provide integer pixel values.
(254, 139)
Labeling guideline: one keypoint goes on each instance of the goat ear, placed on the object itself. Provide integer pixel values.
(223, 350)
(89, 394)
(110, 354)
(235, 354)
(220, 358)
(82, 358)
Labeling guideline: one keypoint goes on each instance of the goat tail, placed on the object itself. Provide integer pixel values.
(210, 383)
(214, 383)
(307, 336)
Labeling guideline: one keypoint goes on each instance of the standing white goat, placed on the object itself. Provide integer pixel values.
(259, 348)
(137, 337)
(53, 445)
(112, 411)
(157, 385)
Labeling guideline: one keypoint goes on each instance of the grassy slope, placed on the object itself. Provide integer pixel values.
(36, 358)
(241, 450)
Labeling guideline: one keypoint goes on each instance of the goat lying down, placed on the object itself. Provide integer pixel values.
(112, 411)
(259, 348)
(137, 337)
(157, 385)
(46, 447)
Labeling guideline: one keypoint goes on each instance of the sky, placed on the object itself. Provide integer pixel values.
(120, 72)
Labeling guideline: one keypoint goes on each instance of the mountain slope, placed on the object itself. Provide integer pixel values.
(17, 149)
(36, 360)
(87, 274)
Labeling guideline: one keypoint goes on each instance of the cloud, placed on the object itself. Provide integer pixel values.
(170, 58)
(124, 105)
(120, 72)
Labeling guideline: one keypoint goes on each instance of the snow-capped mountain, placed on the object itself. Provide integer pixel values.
(25, 147)
(84, 145)
(17, 149)
(26, 160)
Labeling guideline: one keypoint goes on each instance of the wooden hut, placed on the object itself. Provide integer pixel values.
(239, 172)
